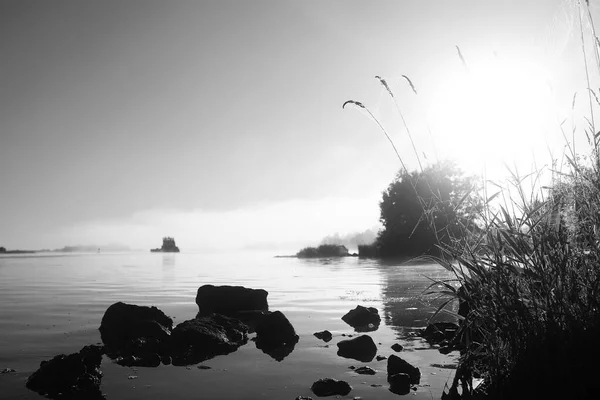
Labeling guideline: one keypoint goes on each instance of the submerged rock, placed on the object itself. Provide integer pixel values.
(399, 383)
(330, 387)
(73, 376)
(229, 300)
(276, 336)
(361, 348)
(365, 371)
(324, 335)
(397, 365)
(138, 335)
(363, 319)
(199, 339)
(439, 331)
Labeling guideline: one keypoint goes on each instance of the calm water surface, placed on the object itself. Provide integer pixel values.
(52, 304)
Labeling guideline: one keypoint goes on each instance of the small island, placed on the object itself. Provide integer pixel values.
(324, 250)
(4, 251)
(168, 246)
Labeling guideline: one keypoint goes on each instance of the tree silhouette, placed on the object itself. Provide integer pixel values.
(421, 211)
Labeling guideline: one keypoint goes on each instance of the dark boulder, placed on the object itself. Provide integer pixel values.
(361, 348)
(276, 336)
(324, 335)
(330, 387)
(199, 339)
(399, 383)
(365, 371)
(363, 319)
(439, 331)
(229, 300)
(397, 365)
(135, 333)
(73, 376)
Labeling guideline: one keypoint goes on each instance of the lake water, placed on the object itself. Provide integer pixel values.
(52, 304)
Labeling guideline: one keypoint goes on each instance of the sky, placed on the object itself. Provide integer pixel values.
(221, 123)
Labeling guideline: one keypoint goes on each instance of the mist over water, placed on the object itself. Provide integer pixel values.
(53, 304)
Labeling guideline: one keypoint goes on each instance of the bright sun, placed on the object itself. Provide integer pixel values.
(493, 112)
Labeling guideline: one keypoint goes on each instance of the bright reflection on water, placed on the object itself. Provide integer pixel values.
(53, 304)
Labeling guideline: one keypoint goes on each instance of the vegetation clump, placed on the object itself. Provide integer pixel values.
(421, 210)
(324, 250)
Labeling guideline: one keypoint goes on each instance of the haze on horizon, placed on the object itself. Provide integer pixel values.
(221, 123)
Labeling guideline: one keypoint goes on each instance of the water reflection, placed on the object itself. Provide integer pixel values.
(278, 353)
(404, 305)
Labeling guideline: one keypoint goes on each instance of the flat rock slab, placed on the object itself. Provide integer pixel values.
(330, 387)
(73, 376)
(361, 348)
(365, 371)
(229, 300)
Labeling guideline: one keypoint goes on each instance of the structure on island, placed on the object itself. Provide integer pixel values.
(168, 246)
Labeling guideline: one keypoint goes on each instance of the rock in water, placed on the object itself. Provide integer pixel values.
(229, 300)
(397, 347)
(439, 331)
(363, 319)
(324, 335)
(330, 387)
(365, 370)
(361, 348)
(397, 365)
(137, 334)
(276, 336)
(399, 383)
(199, 339)
(76, 376)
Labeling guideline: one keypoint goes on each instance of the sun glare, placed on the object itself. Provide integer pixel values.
(493, 113)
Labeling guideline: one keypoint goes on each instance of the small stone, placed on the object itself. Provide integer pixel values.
(7, 371)
(132, 377)
(365, 371)
(376, 385)
(304, 398)
(397, 347)
(352, 367)
(203, 367)
(381, 358)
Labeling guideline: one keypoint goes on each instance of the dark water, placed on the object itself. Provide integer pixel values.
(53, 304)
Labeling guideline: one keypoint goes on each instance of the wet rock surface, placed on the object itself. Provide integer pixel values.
(275, 330)
(361, 348)
(136, 334)
(363, 319)
(399, 383)
(73, 376)
(330, 387)
(199, 339)
(397, 365)
(230, 300)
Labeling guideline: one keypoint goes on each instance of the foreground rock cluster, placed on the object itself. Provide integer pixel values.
(144, 336)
